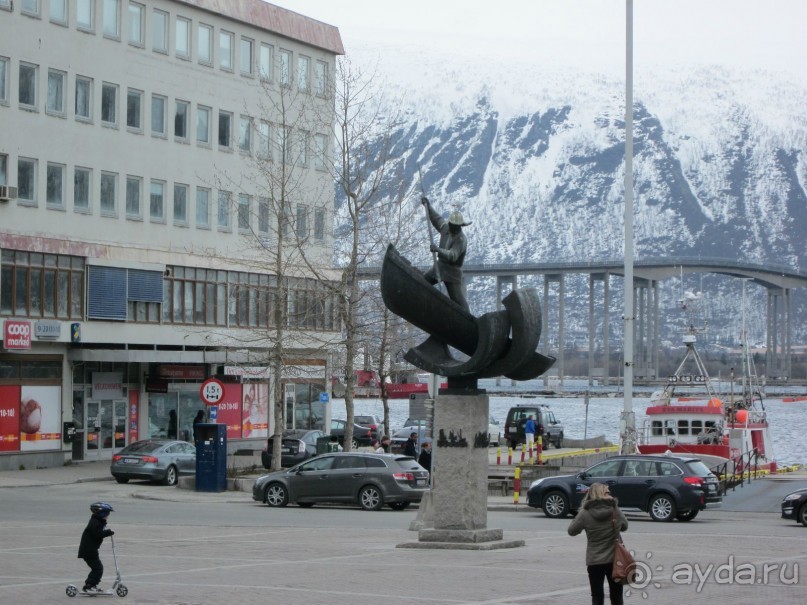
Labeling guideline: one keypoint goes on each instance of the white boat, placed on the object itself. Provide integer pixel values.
(733, 434)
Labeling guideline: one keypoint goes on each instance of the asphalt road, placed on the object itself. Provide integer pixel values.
(222, 550)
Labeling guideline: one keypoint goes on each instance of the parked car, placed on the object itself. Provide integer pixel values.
(154, 460)
(400, 437)
(494, 431)
(367, 479)
(362, 435)
(794, 506)
(371, 422)
(667, 487)
(296, 446)
(543, 416)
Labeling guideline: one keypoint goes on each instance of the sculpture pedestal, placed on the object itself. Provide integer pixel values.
(457, 515)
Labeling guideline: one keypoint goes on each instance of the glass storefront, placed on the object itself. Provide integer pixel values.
(171, 414)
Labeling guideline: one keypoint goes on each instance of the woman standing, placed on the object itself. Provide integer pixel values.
(602, 520)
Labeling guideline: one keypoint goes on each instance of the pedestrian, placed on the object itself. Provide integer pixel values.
(91, 539)
(411, 446)
(602, 521)
(450, 253)
(383, 447)
(172, 424)
(529, 432)
(425, 458)
(198, 419)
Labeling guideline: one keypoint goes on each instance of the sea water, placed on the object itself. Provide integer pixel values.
(788, 421)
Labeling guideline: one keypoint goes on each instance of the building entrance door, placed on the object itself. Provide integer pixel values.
(105, 428)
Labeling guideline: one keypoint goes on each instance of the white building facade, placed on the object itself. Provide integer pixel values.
(152, 156)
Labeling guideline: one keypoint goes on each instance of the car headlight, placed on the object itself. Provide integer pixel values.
(792, 497)
(537, 482)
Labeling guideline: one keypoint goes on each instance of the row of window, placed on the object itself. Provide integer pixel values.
(252, 214)
(213, 46)
(52, 286)
(681, 427)
(270, 141)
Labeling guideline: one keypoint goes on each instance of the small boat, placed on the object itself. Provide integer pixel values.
(732, 435)
(795, 399)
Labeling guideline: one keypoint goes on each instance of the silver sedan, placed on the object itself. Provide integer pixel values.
(154, 460)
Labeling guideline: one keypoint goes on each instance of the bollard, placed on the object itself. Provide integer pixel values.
(531, 451)
(516, 485)
(510, 456)
(498, 455)
(538, 449)
(523, 452)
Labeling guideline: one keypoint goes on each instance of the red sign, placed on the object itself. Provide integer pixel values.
(229, 410)
(134, 400)
(212, 391)
(17, 334)
(9, 419)
(182, 372)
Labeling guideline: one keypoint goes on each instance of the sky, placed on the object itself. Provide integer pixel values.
(753, 34)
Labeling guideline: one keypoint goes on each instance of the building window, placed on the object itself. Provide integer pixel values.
(3, 169)
(41, 285)
(83, 98)
(137, 24)
(226, 50)
(320, 151)
(159, 31)
(301, 223)
(205, 44)
(303, 73)
(245, 134)
(263, 215)
(319, 224)
(225, 125)
(157, 201)
(27, 90)
(158, 115)
(30, 7)
(246, 56)
(243, 212)
(180, 204)
(58, 11)
(183, 38)
(26, 180)
(285, 68)
(264, 150)
(109, 185)
(203, 125)
(203, 207)
(112, 19)
(302, 148)
(3, 79)
(82, 185)
(285, 145)
(134, 109)
(85, 14)
(265, 61)
(134, 186)
(224, 210)
(181, 120)
(56, 92)
(321, 78)
(109, 104)
(55, 186)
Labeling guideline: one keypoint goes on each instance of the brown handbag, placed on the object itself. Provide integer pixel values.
(624, 568)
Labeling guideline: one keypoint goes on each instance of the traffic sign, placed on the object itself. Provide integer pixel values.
(214, 412)
(323, 397)
(212, 391)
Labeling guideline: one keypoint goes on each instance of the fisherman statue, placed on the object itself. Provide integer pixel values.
(449, 254)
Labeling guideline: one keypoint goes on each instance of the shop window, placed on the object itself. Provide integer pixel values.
(41, 285)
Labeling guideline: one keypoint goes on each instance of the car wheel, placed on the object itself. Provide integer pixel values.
(121, 479)
(687, 516)
(556, 505)
(370, 498)
(559, 442)
(662, 508)
(305, 504)
(171, 475)
(276, 495)
(802, 516)
(354, 445)
(399, 505)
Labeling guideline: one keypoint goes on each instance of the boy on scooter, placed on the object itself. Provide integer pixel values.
(91, 540)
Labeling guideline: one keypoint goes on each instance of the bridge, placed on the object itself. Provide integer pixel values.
(778, 280)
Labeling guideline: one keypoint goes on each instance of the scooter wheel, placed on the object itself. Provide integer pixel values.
(122, 591)
(71, 591)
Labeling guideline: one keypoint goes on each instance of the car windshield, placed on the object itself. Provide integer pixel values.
(142, 447)
(698, 468)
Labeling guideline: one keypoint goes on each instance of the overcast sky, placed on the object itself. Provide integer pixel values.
(767, 34)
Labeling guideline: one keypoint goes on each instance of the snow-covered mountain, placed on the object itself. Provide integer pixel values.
(535, 158)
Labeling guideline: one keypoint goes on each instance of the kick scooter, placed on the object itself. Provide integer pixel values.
(117, 586)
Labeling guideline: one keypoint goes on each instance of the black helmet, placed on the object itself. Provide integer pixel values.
(101, 508)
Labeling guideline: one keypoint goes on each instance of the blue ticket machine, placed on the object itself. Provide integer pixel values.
(211, 458)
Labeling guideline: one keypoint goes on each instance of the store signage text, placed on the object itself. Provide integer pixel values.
(17, 334)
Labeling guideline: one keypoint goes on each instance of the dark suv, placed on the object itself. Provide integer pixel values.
(543, 416)
(667, 487)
